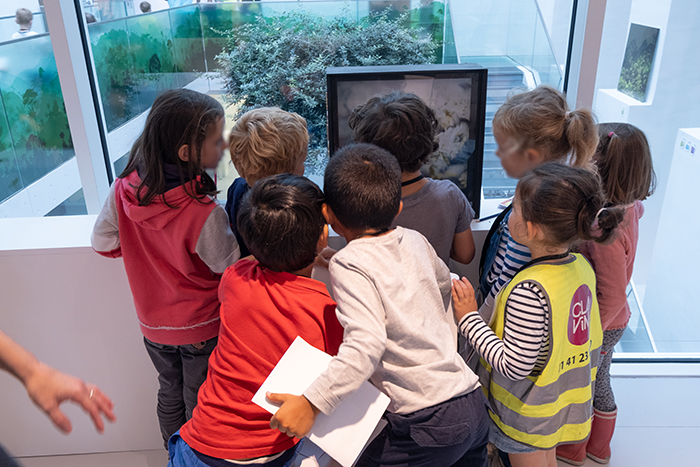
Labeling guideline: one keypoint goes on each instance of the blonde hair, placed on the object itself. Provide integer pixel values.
(24, 17)
(540, 119)
(267, 141)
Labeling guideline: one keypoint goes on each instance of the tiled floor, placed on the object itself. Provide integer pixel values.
(658, 426)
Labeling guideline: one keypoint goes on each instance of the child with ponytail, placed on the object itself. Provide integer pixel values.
(625, 166)
(540, 349)
(531, 128)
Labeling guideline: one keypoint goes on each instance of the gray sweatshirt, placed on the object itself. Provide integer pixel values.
(393, 295)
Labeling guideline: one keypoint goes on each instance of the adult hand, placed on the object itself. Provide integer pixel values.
(49, 388)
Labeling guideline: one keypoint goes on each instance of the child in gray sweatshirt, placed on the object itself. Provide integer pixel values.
(393, 292)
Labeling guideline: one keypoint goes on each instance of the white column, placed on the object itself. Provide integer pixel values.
(62, 20)
(585, 51)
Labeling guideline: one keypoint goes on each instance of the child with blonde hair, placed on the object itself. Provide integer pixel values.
(24, 19)
(264, 142)
(625, 166)
(540, 348)
(162, 218)
(531, 128)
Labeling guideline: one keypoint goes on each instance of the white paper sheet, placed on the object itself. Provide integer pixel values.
(346, 431)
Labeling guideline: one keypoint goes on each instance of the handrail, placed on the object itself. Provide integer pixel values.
(549, 38)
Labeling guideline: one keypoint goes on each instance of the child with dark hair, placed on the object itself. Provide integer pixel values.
(540, 350)
(392, 292)
(162, 218)
(265, 304)
(625, 166)
(405, 126)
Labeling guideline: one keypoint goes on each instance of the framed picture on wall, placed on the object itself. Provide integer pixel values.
(638, 62)
(457, 94)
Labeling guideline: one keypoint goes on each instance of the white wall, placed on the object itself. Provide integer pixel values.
(674, 98)
(73, 309)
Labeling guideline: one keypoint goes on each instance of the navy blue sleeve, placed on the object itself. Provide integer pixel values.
(235, 194)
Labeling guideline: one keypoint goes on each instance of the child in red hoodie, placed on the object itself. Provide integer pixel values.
(162, 218)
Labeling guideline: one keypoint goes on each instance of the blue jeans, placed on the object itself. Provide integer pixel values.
(181, 371)
(182, 455)
(455, 432)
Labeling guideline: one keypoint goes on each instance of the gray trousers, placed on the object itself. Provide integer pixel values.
(181, 371)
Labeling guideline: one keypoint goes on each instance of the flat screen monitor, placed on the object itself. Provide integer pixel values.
(457, 94)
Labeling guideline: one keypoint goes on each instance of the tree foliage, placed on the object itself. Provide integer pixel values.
(281, 61)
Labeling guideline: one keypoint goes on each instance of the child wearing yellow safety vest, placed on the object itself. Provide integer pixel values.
(540, 343)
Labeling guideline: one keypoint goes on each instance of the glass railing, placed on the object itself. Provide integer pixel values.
(34, 134)
(8, 26)
(523, 44)
(512, 29)
(139, 56)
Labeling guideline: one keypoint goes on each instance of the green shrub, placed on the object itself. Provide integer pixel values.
(281, 61)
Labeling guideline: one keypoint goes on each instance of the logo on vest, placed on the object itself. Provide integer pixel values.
(580, 315)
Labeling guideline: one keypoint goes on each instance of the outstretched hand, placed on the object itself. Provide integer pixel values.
(463, 300)
(49, 388)
(296, 415)
(324, 257)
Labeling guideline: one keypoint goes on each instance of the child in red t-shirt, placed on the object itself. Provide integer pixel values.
(265, 304)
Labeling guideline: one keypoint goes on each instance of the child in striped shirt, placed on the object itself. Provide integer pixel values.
(540, 349)
(532, 128)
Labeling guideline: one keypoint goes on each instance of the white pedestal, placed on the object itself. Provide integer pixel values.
(613, 106)
(672, 292)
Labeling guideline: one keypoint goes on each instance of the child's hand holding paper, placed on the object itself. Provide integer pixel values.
(296, 415)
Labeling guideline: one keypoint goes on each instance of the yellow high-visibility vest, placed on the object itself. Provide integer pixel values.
(554, 406)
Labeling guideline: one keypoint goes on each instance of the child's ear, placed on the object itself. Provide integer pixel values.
(400, 209)
(534, 157)
(534, 231)
(327, 214)
(323, 239)
(184, 153)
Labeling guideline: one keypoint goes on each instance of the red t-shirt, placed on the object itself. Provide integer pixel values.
(262, 312)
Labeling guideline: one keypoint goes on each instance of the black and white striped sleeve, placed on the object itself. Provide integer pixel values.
(525, 335)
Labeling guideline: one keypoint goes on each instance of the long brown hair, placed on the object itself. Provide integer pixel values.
(541, 119)
(623, 160)
(178, 117)
(567, 202)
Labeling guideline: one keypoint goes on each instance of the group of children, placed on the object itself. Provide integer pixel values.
(538, 331)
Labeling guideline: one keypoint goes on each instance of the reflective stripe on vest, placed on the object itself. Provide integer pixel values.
(554, 406)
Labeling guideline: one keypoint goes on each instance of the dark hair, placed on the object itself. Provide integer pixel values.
(624, 163)
(541, 119)
(399, 122)
(178, 117)
(566, 202)
(145, 7)
(280, 220)
(363, 187)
